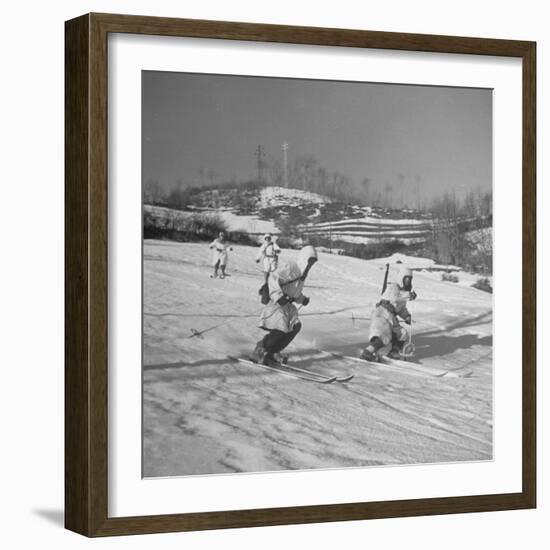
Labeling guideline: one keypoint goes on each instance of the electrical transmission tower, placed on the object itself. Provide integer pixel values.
(285, 164)
(260, 162)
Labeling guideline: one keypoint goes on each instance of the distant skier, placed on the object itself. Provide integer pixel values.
(280, 316)
(268, 255)
(219, 257)
(386, 335)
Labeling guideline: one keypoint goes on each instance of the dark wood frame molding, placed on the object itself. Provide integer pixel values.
(86, 489)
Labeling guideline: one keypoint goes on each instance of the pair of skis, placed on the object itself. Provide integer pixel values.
(406, 367)
(409, 367)
(295, 372)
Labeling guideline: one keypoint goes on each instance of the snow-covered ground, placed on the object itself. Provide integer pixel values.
(204, 413)
(432, 270)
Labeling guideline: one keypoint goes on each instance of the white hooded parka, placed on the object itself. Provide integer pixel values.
(286, 281)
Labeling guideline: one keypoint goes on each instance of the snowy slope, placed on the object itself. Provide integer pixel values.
(206, 414)
(283, 196)
(246, 224)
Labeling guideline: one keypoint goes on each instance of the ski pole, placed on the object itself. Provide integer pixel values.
(411, 325)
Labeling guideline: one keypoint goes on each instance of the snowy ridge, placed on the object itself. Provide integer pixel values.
(284, 196)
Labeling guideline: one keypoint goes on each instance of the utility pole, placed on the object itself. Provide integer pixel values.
(260, 163)
(285, 164)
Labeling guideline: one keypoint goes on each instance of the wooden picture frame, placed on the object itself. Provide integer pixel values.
(86, 282)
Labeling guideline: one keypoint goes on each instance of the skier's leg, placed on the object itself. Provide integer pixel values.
(264, 348)
(399, 337)
(271, 341)
(216, 265)
(284, 338)
(222, 267)
(259, 352)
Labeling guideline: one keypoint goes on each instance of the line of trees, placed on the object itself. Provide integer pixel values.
(305, 172)
(462, 230)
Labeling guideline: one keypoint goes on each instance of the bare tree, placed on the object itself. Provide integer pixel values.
(202, 176)
(261, 164)
(388, 188)
(152, 192)
(447, 235)
(402, 189)
(275, 171)
(365, 184)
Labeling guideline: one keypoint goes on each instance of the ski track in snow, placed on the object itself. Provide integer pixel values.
(205, 414)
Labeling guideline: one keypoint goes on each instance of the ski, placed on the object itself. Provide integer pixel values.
(288, 371)
(433, 371)
(402, 366)
(340, 379)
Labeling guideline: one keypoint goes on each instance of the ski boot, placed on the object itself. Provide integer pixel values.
(280, 358)
(369, 355)
(395, 353)
(260, 355)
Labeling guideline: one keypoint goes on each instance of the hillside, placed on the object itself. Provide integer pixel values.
(299, 216)
(204, 413)
(279, 209)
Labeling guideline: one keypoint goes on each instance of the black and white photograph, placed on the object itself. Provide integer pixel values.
(317, 274)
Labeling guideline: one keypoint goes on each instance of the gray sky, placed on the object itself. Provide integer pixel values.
(438, 137)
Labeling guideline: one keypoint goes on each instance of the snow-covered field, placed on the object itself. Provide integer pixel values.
(204, 413)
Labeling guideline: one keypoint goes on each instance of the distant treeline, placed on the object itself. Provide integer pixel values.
(334, 186)
(173, 225)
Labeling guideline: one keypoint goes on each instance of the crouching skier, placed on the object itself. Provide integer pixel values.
(386, 335)
(280, 316)
(219, 256)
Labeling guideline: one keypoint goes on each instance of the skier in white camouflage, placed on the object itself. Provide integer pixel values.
(386, 335)
(220, 248)
(280, 316)
(268, 255)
